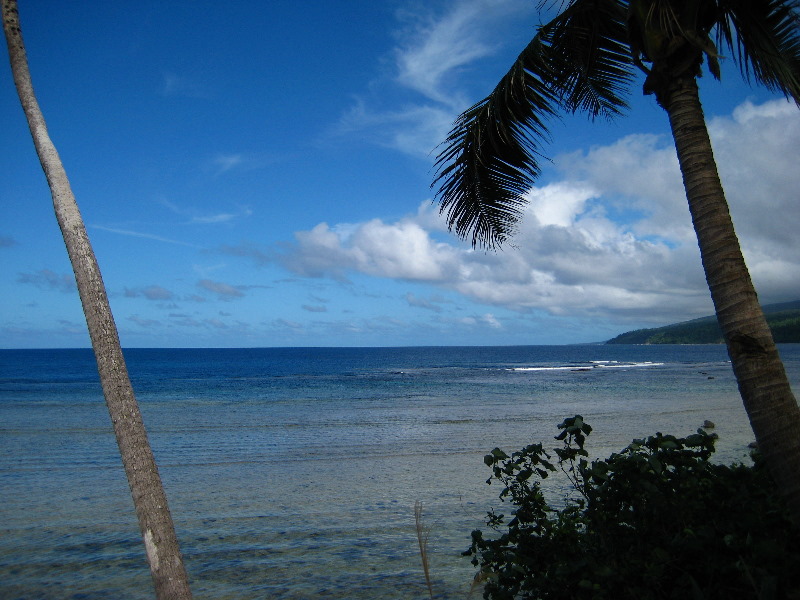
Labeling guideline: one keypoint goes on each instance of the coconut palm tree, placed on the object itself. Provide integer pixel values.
(585, 60)
(150, 501)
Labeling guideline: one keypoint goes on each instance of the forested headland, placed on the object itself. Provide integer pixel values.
(783, 319)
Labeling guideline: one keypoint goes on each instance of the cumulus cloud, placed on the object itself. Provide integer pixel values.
(401, 250)
(757, 154)
(610, 235)
(49, 280)
(574, 261)
(640, 180)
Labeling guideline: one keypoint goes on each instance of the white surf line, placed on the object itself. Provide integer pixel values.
(595, 364)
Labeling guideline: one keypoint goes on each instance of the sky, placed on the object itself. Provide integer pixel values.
(258, 174)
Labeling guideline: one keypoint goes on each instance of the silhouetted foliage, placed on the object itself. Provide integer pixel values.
(656, 520)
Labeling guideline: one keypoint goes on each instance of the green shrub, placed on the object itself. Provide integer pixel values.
(656, 520)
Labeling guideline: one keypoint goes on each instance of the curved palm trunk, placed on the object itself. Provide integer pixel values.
(155, 522)
(771, 407)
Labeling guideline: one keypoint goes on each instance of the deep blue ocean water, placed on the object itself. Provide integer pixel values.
(293, 472)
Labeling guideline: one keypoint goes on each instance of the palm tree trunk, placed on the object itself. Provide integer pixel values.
(771, 407)
(155, 522)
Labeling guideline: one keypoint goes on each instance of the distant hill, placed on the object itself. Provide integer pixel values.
(783, 319)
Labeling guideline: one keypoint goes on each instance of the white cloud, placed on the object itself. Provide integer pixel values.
(757, 156)
(436, 47)
(611, 237)
(491, 321)
(433, 51)
(558, 204)
(638, 175)
(402, 250)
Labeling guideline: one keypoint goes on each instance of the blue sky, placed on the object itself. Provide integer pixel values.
(257, 174)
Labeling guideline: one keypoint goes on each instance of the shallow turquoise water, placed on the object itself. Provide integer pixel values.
(293, 473)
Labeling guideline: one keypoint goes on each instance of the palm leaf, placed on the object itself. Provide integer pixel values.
(578, 61)
(764, 39)
(490, 157)
(589, 41)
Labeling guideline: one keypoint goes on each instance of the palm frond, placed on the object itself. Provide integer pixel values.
(589, 44)
(764, 39)
(577, 62)
(490, 156)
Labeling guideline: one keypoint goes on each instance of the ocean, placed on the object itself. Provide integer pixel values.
(292, 473)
